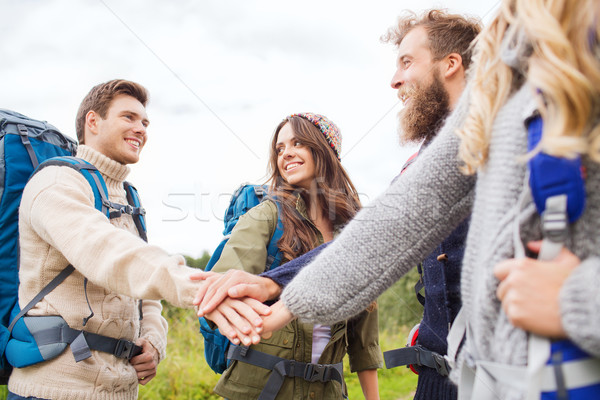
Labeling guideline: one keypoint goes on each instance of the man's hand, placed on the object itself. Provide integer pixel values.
(529, 291)
(145, 364)
(240, 320)
(280, 317)
(233, 283)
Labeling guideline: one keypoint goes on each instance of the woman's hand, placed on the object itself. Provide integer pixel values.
(280, 317)
(529, 291)
(233, 283)
(240, 320)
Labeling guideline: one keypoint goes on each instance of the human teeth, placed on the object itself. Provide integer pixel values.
(133, 142)
(290, 166)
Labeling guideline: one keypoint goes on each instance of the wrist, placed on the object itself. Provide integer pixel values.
(273, 289)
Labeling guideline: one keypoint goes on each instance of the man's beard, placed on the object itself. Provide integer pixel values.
(425, 113)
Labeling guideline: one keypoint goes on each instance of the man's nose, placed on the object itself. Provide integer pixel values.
(397, 79)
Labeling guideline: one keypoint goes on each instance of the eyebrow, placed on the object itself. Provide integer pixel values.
(280, 143)
(146, 120)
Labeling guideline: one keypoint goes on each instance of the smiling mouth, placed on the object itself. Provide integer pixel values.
(291, 166)
(404, 98)
(134, 143)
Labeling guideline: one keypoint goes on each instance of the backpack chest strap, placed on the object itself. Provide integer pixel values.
(282, 368)
(82, 342)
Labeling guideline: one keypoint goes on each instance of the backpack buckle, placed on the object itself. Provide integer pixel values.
(441, 364)
(554, 225)
(314, 372)
(22, 129)
(126, 209)
(124, 349)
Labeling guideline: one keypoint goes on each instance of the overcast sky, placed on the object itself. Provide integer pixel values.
(221, 76)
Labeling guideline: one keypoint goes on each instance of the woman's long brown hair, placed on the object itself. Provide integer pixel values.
(336, 194)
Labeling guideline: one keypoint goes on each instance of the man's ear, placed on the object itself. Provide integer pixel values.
(452, 64)
(91, 123)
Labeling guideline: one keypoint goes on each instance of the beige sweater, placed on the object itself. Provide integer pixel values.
(59, 225)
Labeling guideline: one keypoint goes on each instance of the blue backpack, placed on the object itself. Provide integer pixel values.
(27, 146)
(558, 190)
(245, 197)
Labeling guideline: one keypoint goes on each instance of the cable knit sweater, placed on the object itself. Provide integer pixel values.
(59, 225)
(404, 224)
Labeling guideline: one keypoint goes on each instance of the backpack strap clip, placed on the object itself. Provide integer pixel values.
(317, 372)
(554, 219)
(419, 356)
(23, 133)
(125, 349)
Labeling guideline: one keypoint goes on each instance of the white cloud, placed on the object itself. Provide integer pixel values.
(221, 74)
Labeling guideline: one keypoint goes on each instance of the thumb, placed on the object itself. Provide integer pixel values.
(535, 246)
(201, 275)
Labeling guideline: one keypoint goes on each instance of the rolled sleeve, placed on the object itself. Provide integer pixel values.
(363, 341)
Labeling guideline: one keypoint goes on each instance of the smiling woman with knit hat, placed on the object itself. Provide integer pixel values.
(315, 197)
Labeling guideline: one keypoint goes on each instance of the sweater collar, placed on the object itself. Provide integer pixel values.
(107, 167)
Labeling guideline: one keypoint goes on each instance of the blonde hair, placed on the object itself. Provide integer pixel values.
(564, 66)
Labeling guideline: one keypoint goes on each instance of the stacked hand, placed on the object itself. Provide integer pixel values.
(233, 301)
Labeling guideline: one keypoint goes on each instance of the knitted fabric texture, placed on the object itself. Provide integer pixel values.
(403, 225)
(330, 130)
(57, 222)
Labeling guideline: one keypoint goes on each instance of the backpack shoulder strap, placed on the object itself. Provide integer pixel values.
(138, 212)
(58, 279)
(274, 255)
(90, 173)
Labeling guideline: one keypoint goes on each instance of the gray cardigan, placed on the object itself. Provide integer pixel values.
(400, 227)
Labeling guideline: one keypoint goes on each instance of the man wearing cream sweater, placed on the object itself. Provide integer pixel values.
(59, 225)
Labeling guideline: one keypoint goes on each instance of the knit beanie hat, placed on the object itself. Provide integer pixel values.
(329, 129)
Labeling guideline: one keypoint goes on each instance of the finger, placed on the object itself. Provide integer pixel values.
(203, 290)
(202, 275)
(246, 309)
(216, 292)
(248, 290)
(141, 359)
(212, 300)
(503, 268)
(502, 290)
(144, 380)
(535, 246)
(258, 307)
(145, 368)
(224, 326)
(243, 327)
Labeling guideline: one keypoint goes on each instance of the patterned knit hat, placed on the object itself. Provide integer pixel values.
(329, 129)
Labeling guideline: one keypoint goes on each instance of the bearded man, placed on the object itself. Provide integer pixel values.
(433, 56)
